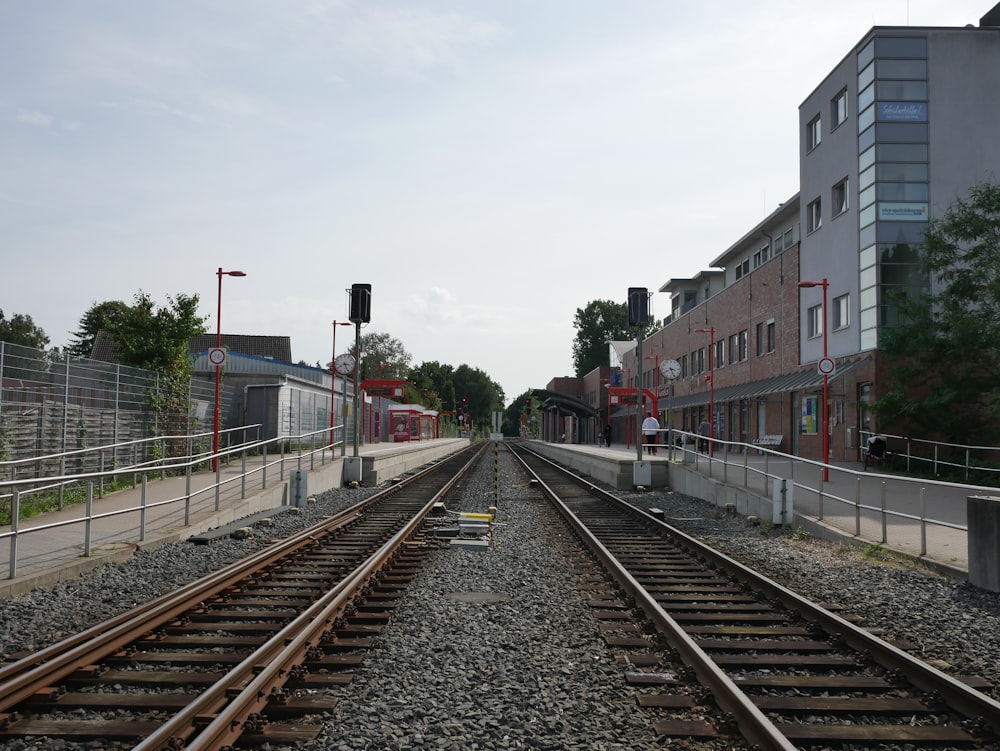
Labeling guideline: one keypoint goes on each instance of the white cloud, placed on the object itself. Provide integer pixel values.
(30, 117)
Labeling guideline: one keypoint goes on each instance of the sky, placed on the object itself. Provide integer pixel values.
(488, 166)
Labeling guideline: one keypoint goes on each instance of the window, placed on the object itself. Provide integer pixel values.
(684, 367)
(720, 353)
(759, 337)
(761, 255)
(743, 268)
(734, 351)
(838, 109)
(814, 133)
(841, 312)
(771, 338)
(839, 203)
(814, 321)
(814, 216)
(743, 345)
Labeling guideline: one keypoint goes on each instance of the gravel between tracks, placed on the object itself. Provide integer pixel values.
(530, 672)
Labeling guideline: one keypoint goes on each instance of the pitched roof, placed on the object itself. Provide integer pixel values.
(270, 347)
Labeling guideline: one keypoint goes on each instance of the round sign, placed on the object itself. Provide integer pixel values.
(826, 366)
(217, 356)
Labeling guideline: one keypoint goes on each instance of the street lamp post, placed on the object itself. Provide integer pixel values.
(825, 370)
(333, 384)
(218, 367)
(711, 387)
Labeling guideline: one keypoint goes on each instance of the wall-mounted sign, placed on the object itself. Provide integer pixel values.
(902, 112)
(902, 212)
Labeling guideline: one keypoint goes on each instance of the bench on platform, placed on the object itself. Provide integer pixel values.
(771, 441)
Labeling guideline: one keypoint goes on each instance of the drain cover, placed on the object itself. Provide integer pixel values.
(480, 597)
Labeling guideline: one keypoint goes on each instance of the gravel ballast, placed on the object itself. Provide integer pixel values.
(526, 668)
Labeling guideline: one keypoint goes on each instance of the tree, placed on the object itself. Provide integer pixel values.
(100, 316)
(435, 384)
(601, 322)
(477, 395)
(20, 329)
(382, 356)
(156, 338)
(522, 406)
(940, 354)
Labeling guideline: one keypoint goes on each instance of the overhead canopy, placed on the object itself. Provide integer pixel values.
(800, 381)
(555, 399)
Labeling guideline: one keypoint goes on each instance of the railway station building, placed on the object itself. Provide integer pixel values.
(902, 127)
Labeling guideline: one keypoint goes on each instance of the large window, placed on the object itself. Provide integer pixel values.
(814, 216)
(743, 345)
(814, 133)
(814, 321)
(840, 201)
(771, 337)
(720, 353)
(838, 109)
(759, 336)
(841, 312)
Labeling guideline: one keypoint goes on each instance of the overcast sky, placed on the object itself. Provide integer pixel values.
(488, 166)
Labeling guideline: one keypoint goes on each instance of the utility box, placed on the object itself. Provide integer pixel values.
(352, 470)
(983, 514)
(642, 474)
(781, 502)
(298, 490)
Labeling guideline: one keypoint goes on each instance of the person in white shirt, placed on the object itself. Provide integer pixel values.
(650, 432)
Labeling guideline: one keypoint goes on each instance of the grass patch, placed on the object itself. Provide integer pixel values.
(36, 504)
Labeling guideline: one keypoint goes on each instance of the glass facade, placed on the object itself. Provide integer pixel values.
(893, 174)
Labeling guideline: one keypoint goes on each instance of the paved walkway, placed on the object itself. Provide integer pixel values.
(62, 544)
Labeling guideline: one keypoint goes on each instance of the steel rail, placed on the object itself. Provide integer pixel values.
(753, 723)
(271, 663)
(959, 696)
(23, 678)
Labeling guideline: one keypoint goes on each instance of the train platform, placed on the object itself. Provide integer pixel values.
(925, 520)
(63, 544)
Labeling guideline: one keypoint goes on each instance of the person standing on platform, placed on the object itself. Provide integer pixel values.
(704, 430)
(650, 432)
(607, 435)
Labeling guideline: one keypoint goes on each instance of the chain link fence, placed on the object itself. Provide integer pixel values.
(51, 403)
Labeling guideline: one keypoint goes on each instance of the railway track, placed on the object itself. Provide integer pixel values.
(786, 672)
(239, 657)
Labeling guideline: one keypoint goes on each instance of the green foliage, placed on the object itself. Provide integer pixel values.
(941, 352)
(100, 316)
(522, 406)
(801, 533)
(443, 387)
(156, 338)
(382, 356)
(20, 329)
(600, 322)
(874, 552)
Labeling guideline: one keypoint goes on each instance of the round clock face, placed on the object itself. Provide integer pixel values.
(344, 363)
(670, 369)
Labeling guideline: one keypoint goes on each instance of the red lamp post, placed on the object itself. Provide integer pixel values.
(333, 373)
(711, 387)
(218, 367)
(825, 368)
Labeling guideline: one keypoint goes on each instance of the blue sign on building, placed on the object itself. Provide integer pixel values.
(902, 112)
